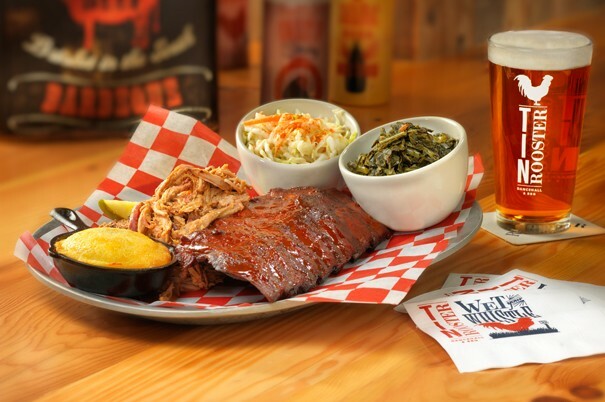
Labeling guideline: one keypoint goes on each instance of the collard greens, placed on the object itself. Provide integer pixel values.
(402, 148)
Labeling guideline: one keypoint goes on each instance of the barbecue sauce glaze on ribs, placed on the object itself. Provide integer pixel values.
(286, 241)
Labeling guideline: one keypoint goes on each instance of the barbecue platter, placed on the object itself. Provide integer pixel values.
(243, 252)
(283, 243)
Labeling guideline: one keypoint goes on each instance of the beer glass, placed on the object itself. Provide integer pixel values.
(538, 83)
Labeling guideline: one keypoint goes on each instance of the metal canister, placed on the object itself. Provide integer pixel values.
(295, 49)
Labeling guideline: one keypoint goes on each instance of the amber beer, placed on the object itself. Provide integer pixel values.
(538, 93)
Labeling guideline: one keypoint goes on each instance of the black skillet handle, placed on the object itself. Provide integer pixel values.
(69, 218)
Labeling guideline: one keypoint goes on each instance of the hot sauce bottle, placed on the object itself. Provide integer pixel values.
(232, 33)
(361, 34)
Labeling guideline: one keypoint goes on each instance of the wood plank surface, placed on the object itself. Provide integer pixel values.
(56, 349)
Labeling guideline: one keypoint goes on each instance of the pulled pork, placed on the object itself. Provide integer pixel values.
(189, 200)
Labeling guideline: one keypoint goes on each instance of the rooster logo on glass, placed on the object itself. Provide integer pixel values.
(533, 135)
(532, 93)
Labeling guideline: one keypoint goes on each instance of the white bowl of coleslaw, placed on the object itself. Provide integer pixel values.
(293, 143)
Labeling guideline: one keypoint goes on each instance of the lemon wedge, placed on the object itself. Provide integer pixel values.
(116, 209)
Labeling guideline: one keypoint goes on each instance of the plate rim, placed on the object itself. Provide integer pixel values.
(224, 314)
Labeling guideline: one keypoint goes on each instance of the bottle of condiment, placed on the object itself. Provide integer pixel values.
(88, 68)
(295, 49)
(361, 38)
(355, 75)
(232, 33)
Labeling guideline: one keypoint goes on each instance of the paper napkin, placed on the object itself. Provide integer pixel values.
(455, 279)
(513, 319)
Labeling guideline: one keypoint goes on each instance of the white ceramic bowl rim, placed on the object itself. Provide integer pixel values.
(313, 164)
(275, 105)
(418, 171)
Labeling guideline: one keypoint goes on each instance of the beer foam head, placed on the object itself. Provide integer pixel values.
(540, 50)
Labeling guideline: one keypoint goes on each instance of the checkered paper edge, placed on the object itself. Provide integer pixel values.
(165, 139)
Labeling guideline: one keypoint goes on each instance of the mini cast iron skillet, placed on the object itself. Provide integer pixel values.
(131, 282)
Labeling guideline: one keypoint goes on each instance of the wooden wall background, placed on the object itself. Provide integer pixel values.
(449, 27)
(426, 29)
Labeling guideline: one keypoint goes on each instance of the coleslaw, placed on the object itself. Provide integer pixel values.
(297, 138)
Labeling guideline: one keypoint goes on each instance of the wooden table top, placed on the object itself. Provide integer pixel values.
(54, 348)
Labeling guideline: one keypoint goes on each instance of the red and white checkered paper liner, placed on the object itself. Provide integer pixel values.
(165, 139)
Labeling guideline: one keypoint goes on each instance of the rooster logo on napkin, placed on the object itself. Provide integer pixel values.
(532, 93)
(522, 324)
(509, 316)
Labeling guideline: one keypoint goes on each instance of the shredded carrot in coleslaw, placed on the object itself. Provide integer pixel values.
(297, 137)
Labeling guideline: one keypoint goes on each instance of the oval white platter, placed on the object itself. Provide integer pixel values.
(224, 314)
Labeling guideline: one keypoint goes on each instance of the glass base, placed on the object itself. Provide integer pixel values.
(532, 227)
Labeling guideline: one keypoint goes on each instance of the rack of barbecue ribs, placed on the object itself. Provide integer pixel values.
(285, 242)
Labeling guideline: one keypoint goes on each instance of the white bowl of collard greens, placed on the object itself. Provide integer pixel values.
(408, 174)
